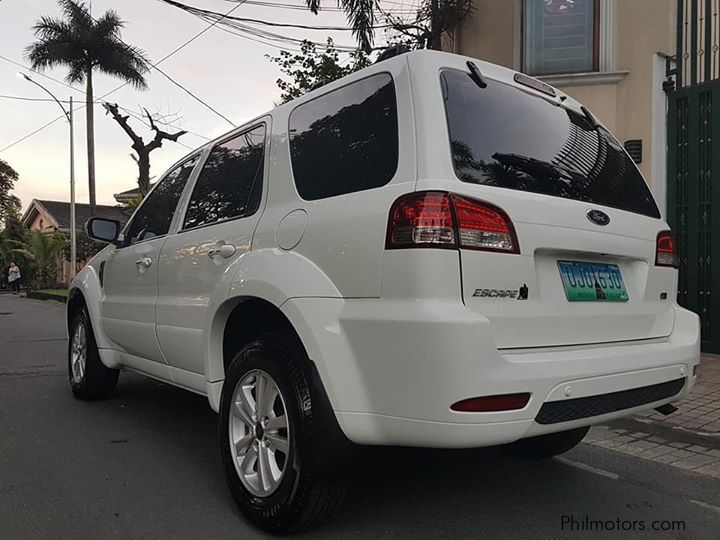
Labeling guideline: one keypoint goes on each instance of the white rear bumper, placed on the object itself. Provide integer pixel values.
(393, 369)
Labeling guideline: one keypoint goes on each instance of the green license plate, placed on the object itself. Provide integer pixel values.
(592, 282)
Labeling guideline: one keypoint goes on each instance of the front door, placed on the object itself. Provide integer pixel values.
(130, 276)
(216, 231)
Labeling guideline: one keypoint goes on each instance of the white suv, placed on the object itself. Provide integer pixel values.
(433, 252)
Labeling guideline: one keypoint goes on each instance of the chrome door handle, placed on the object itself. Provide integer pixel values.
(145, 262)
(222, 250)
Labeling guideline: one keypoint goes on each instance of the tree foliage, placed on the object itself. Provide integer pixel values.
(44, 249)
(312, 67)
(433, 20)
(83, 44)
(9, 204)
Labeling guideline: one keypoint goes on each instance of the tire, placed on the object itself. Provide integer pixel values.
(301, 490)
(90, 379)
(547, 446)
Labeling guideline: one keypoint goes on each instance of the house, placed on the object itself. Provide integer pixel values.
(50, 216)
(650, 71)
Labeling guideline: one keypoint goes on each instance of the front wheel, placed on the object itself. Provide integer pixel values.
(89, 377)
(546, 446)
(266, 426)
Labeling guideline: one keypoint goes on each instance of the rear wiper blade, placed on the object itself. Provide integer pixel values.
(475, 74)
(589, 117)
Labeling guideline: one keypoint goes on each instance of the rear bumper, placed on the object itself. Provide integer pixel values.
(393, 369)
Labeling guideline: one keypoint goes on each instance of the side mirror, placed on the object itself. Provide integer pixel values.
(102, 229)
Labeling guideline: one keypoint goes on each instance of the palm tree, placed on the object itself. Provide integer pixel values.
(83, 44)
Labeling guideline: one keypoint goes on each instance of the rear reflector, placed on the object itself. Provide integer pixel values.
(445, 220)
(665, 252)
(505, 402)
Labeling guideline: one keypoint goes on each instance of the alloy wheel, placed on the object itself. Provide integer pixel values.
(78, 353)
(259, 433)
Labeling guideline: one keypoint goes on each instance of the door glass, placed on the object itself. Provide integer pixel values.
(154, 216)
(230, 183)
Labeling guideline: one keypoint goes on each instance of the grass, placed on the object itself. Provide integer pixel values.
(60, 292)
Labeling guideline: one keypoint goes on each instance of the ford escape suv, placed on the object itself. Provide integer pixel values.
(431, 252)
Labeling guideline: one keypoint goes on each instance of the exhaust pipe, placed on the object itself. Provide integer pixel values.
(666, 409)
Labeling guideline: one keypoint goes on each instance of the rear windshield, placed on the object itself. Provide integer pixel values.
(501, 136)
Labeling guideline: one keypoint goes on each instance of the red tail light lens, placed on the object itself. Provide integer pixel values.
(445, 220)
(421, 219)
(665, 251)
(505, 402)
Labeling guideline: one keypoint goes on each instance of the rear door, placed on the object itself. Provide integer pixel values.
(585, 221)
(215, 231)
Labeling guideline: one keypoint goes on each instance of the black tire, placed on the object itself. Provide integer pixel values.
(547, 446)
(96, 380)
(308, 491)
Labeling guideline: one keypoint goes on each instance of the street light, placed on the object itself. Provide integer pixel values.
(69, 115)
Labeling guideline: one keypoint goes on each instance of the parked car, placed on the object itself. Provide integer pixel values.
(432, 252)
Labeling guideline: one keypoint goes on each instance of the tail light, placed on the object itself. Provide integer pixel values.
(445, 220)
(665, 250)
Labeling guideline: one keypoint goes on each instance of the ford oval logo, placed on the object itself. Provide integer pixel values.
(598, 217)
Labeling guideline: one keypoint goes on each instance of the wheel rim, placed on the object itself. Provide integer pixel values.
(78, 353)
(259, 433)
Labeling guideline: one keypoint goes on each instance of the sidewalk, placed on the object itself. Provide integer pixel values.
(687, 439)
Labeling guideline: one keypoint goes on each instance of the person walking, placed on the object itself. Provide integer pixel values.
(14, 277)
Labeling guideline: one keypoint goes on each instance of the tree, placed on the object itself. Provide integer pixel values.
(86, 249)
(310, 68)
(84, 44)
(432, 20)
(9, 203)
(44, 249)
(14, 235)
(142, 149)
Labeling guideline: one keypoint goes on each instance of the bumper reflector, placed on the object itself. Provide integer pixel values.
(504, 402)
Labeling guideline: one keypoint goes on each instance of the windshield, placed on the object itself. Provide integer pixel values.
(501, 136)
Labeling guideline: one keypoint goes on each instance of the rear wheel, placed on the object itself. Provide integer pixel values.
(546, 446)
(89, 377)
(266, 424)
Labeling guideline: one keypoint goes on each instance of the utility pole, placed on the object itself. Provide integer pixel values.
(69, 117)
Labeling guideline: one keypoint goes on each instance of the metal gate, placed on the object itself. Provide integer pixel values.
(693, 189)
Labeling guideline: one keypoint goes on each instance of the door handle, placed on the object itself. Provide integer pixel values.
(145, 262)
(222, 250)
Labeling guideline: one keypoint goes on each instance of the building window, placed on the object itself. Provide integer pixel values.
(561, 36)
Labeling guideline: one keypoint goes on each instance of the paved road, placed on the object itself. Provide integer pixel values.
(145, 465)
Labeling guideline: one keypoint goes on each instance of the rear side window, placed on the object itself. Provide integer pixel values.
(230, 182)
(346, 140)
(154, 216)
(501, 136)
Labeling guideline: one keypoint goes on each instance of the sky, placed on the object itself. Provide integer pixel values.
(229, 72)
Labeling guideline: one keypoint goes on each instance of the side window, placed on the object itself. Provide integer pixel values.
(154, 216)
(230, 182)
(346, 140)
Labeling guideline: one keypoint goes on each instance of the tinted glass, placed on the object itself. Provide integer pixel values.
(230, 183)
(154, 216)
(504, 137)
(559, 36)
(346, 140)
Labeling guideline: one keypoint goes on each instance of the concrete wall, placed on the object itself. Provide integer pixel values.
(638, 28)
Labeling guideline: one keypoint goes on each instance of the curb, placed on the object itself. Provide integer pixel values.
(36, 295)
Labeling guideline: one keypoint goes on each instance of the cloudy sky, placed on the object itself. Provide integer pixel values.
(229, 72)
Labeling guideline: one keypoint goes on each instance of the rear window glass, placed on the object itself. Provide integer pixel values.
(347, 140)
(501, 136)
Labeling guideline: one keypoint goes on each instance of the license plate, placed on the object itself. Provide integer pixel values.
(592, 282)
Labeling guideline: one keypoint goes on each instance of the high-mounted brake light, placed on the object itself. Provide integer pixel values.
(665, 250)
(434, 219)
